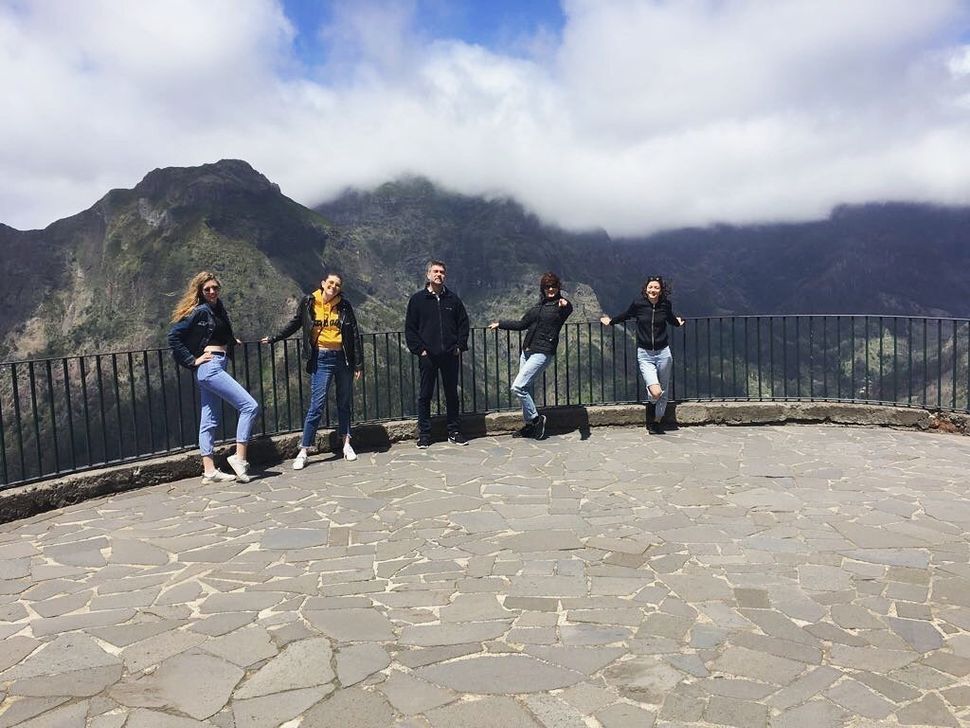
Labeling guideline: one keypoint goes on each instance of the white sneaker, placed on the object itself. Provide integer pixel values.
(300, 461)
(217, 476)
(349, 453)
(239, 467)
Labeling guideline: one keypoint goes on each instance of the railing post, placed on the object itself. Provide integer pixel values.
(148, 401)
(34, 416)
(134, 408)
(710, 382)
(926, 365)
(286, 388)
(18, 421)
(53, 414)
(760, 368)
(70, 412)
(163, 389)
(811, 358)
(784, 356)
(87, 413)
(939, 364)
(3, 448)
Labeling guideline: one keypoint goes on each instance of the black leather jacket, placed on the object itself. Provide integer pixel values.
(351, 344)
(189, 336)
(543, 322)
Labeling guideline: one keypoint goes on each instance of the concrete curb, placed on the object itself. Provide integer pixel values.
(30, 500)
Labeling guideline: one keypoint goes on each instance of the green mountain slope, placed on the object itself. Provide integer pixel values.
(108, 277)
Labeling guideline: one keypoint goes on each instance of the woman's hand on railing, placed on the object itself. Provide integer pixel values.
(358, 373)
(264, 340)
(493, 325)
(605, 320)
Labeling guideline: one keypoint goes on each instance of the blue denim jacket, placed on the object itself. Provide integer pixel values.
(189, 336)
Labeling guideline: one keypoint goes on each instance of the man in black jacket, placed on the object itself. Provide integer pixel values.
(436, 331)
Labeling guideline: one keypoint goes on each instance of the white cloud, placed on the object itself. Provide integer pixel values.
(641, 115)
(959, 63)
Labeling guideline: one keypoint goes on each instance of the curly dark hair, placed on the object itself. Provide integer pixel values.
(549, 279)
(665, 287)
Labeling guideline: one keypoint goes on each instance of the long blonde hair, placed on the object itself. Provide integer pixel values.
(193, 295)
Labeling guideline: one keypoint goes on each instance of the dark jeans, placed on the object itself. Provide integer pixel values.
(331, 366)
(430, 366)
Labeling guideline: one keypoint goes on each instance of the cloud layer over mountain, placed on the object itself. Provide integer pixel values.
(636, 115)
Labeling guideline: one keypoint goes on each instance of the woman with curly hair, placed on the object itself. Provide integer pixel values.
(653, 311)
(202, 341)
(542, 324)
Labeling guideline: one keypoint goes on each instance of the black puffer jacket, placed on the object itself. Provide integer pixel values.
(189, 336)
(652, 320)
(350, 341)
(542, 322)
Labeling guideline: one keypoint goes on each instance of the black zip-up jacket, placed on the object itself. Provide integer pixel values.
(436, 324)
(543, 322)
(350, 342)
(189, 336)
(652, 320)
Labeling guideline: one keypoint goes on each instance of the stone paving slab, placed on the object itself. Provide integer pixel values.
(744, 576)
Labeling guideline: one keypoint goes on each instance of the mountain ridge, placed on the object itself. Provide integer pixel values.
(107, 277)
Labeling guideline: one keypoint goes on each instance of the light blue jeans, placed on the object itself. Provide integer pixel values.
(331, 365)
(655, 367)
(530, 367)
(216, 384)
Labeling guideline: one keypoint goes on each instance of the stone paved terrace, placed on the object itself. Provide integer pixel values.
(742, 576)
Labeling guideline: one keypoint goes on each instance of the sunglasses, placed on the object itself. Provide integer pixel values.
(206, 289)
(551, 287)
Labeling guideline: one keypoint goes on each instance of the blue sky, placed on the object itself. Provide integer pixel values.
(495, 24)
(628, 115)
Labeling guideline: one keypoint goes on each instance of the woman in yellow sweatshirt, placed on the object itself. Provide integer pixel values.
(332, 346)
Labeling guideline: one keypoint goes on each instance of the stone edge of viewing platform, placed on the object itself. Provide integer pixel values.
(29, 500)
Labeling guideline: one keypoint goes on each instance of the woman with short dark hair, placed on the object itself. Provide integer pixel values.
(542, 324)
(652, 311)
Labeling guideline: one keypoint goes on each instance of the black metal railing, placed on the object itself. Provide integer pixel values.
(75, 413)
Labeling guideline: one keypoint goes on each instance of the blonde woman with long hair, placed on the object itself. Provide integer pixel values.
(202, 341)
